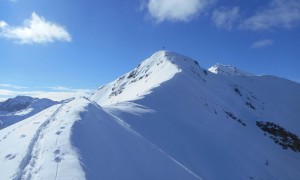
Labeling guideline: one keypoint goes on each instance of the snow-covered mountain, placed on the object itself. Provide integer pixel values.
(21, 107)
(167, 119)
(16, 104)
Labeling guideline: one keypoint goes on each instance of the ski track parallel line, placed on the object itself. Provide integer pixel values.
(31, 154)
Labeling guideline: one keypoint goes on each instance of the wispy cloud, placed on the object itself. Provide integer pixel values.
(12, 86)
(176, 10)
(36, 29)
(55, 93)
(278, 14)
(262, 43)
(57, 96)
(225, 17)
(62, 88)
(6, 92)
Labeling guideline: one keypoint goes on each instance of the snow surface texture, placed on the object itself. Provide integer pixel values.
(16, 109)
(167, 119)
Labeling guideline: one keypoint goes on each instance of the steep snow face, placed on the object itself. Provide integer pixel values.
(151, 73)
(207, 127)
(22, 107)
(110, 149)
(80, 140)
(212, 123)
(271, 98)
(228, 70)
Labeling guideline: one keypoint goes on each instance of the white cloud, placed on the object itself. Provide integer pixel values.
(61, 88)
(35, 30)
(12, 86)
(66, 89)
(176, 10)
(6, 92)
(56, 94)
(225, 17)
(279, 13)
(262, 43)
(3, 24)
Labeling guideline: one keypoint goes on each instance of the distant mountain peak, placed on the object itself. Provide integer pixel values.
(17, 103)
(20, 107)
(21, 102)
(228, 70)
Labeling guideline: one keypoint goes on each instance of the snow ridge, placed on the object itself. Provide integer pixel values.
(228, 70)
(151, 73)
(146, 76)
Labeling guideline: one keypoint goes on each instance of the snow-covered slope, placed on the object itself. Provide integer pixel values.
(228, 70)
(79, 140)
(21, 107)
(167, 119)
(217, 126)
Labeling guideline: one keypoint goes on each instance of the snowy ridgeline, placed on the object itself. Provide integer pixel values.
(167, 119)
(228, 70)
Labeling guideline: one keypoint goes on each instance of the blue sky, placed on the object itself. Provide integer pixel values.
(61, 47)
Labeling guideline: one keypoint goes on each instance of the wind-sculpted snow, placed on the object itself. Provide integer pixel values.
(110, 149)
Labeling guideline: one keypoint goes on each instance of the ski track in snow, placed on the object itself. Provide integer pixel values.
(127, 126)
(34, 150)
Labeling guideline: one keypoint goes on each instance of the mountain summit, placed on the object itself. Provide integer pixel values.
(167, 119)
(149, 74)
